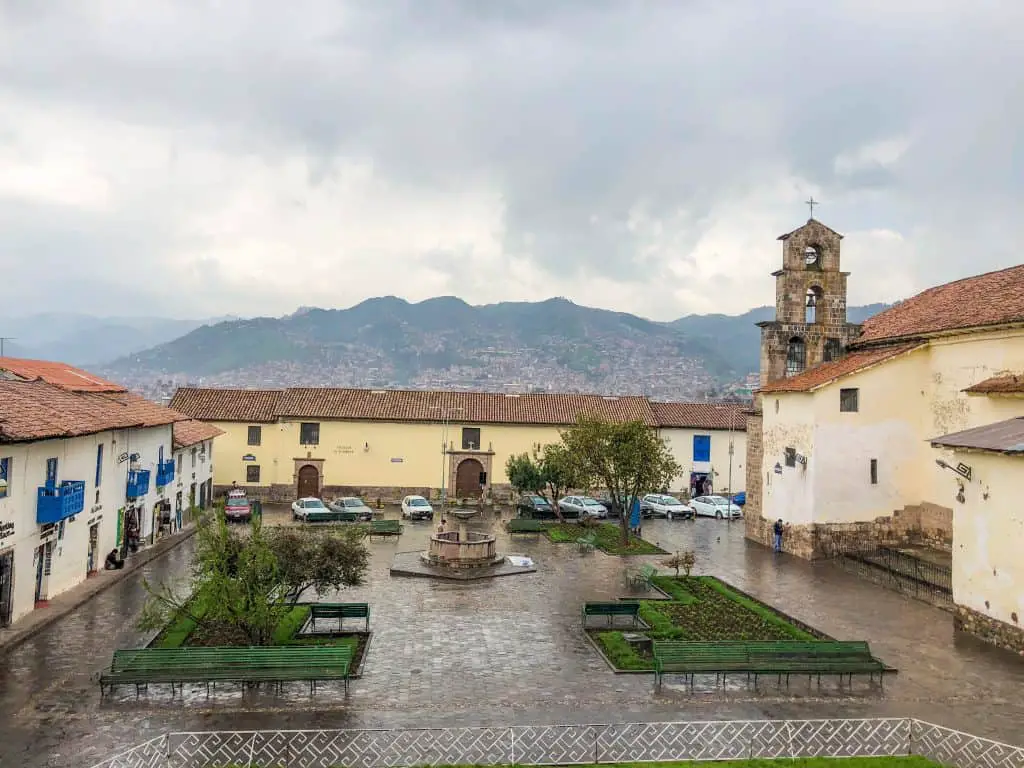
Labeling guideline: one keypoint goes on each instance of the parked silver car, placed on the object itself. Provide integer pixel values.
(715, 506)
(663, 505)
(582, 506)
(352, 505)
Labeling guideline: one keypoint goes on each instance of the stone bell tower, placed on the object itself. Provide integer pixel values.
(809, 328)
(810, 305)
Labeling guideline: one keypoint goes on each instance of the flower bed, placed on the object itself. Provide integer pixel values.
(607, 538)
(183, 632)
(702, 608)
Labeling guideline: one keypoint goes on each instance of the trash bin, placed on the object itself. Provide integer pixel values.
(257, 508)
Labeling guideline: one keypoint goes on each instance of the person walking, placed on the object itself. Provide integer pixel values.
(777, 529)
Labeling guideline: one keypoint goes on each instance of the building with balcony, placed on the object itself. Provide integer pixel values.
(76, 457)
(193, 462)
(287, 443)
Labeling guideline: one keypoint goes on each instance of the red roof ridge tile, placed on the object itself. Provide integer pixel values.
(826, 373)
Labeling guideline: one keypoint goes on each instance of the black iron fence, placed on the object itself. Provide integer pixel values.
(911, 570)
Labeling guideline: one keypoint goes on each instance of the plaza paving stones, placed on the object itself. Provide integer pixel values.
(501, 651)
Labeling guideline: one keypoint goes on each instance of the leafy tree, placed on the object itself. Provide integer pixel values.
(559, 473)
(685, 560)
(524, 474)
(550, 472)
(246, 582)
(627, 458)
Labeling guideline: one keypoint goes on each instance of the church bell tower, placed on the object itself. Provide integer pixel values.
(810, 324)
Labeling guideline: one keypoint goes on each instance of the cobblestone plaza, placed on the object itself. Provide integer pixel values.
(506, 651)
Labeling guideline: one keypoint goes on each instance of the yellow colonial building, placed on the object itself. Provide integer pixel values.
(860, 446)
(384, 444)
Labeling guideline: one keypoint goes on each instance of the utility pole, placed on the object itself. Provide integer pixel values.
(731, 424)
(2, 340)
(446, 414)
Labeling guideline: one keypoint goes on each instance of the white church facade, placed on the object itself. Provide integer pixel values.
(873, 441)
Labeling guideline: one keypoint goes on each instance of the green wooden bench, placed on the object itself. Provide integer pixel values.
(628, 608)
(253, 665)
(340, 612)
(586, 544)
(525, 525)
(787, 657)
(385, 528)
(325, 515)
(644, 577)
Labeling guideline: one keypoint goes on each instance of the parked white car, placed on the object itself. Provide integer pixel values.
(417, 508)
(582, 506)
(715, 506)
(663, 505)
(302, 507)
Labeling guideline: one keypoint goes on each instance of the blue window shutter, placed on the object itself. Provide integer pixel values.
(702, 447)
(99, 464)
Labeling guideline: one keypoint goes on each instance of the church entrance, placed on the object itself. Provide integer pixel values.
(309, 481)
(470, 479)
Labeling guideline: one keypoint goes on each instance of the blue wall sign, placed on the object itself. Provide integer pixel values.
(248, 457)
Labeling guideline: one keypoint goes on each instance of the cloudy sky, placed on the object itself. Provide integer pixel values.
(197, 158)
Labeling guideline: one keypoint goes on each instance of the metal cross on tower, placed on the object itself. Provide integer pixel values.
(2, 340)
(811, 203)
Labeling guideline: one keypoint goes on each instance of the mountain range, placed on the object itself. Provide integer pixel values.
(553, 345)
(86, 340)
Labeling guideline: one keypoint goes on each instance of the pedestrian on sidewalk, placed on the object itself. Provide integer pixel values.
(777, 529)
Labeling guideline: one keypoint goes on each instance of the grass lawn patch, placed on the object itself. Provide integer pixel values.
(181, 633)
(702, 609)
(607, 538)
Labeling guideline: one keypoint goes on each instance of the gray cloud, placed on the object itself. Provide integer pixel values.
(607, 151)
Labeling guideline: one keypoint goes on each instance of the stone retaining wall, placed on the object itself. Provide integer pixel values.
(993, 631)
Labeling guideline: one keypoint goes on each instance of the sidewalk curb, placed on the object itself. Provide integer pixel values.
(146, 556)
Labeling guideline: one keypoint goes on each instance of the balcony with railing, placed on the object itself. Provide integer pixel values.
(59, 502)
(164, 473)
(138, 483)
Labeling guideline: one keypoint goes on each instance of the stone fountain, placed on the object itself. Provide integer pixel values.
(459, 554)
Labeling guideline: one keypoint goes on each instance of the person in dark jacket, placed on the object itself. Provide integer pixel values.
(777, 529)
(114, 561)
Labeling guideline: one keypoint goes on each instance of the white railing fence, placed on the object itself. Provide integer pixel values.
(570, 744)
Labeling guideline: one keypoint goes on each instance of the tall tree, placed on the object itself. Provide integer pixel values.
(247, 581)
(627, 458)
(550, 472)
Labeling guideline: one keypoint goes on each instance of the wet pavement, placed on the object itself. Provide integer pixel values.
(507, 650)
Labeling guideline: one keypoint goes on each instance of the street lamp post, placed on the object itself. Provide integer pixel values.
(446, 414)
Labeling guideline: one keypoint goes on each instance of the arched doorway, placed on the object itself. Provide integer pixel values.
(309, 481)
(469, 479)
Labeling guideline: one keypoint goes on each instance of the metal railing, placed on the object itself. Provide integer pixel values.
(896, 568)
(571, 745)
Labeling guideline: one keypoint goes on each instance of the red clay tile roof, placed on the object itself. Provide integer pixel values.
(59, 374)
(190, 432)
(825, 373)
(700, 415)
(992, 299)
(1007, 384)
(36, 410)
(476, 407)
(257, 405)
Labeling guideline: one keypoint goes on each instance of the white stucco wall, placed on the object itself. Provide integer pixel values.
(192, 469)
(988, 569)
(680, 443)
(69, 565)
(903, 402)
(147, 443)
(788, 423)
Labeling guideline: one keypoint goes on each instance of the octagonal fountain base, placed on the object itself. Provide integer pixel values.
(460, 555)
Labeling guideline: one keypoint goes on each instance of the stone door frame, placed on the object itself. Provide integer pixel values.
(455, 458)
(317, 464)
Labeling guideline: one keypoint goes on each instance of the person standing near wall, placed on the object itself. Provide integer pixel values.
(777, 530)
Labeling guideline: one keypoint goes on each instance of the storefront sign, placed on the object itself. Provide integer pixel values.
(6, 530)
(397, 461)
(122, 458)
